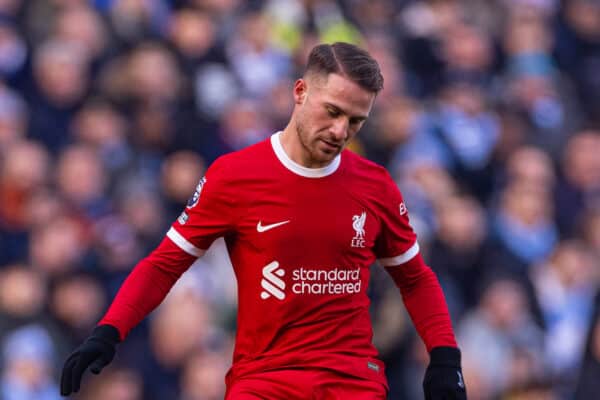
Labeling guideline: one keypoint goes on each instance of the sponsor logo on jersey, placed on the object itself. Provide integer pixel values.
(196, 196)
(263, 228)
(403, 209)
(271, 282)
(309, 281)
(358, 224)
(326, 281)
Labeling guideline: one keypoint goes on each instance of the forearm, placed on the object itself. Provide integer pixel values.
(424, 300)
(147, 286)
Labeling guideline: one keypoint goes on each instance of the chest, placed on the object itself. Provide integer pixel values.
(311, 221)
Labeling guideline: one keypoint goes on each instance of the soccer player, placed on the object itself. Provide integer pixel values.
(303, 220)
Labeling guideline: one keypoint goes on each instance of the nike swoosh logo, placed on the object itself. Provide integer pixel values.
(461, 383)
(263, 228)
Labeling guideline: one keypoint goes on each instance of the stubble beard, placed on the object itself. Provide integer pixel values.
(320, 158)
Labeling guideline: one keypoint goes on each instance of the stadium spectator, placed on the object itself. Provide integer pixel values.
(496, 333)
(565, 287)
(28, 355)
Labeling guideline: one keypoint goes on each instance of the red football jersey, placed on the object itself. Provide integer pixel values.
(301, 242)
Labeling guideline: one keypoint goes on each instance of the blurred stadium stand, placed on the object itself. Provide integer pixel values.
(110, 110)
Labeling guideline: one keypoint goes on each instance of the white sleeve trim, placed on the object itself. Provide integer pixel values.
(402, 258)
(183, 243)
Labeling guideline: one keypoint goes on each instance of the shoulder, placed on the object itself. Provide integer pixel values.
(371, 182)
(241, 163)
(367, 171)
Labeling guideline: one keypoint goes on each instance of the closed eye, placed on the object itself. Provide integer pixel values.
(333, 113)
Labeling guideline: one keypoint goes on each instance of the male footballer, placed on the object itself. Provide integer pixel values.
(303, 220)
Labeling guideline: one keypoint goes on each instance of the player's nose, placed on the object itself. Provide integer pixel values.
(339, 129)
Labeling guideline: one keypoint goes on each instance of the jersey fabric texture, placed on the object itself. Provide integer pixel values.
(301, 384)
(301, 242)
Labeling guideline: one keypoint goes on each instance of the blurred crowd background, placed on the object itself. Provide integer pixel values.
(110, 110)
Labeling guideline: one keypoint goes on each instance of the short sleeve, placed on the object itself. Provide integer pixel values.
(397, 242)
(209, 214)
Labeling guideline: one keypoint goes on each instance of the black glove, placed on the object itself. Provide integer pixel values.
(96, 352)
(443, 378)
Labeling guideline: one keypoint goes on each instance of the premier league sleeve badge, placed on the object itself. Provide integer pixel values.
(196, 196)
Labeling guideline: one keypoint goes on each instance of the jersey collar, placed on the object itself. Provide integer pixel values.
(297, 168)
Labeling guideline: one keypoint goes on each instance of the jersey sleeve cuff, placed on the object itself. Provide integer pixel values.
(183, 243)
(402, 258)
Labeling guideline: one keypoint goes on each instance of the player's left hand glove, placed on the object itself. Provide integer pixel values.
(443, 378)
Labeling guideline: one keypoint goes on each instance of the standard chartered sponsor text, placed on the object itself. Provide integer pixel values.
(320, 281)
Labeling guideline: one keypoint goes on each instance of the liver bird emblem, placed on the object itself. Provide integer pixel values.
(358, 223)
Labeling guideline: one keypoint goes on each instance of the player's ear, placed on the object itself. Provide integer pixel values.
(300, 91)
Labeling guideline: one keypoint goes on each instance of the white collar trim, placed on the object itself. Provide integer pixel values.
(297, 168)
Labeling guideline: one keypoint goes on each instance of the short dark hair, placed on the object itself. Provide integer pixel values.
(348, 60)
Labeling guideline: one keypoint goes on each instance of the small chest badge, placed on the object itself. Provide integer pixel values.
(358, 224)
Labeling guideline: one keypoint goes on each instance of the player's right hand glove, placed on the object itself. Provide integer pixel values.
(96, 352)
(443, 377)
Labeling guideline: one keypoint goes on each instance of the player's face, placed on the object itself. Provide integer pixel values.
(329, 112)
